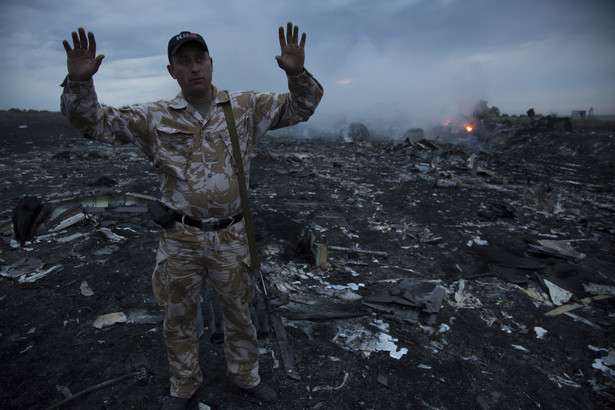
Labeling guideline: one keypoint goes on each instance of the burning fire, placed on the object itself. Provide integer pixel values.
(467, 124)
(344, 82)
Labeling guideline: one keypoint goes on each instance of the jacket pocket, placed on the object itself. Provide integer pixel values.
(175, 149)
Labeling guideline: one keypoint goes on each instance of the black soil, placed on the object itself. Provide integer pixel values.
(472, 231)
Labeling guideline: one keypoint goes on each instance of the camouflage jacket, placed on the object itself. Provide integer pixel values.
(192, 153)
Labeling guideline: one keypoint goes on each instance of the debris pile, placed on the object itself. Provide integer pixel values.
(437, 273)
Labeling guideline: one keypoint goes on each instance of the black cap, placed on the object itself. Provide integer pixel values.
(182, 38)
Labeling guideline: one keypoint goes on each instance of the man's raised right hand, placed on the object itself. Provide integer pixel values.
(82, 60)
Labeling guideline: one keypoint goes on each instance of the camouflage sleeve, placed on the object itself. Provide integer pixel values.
(273, 111)
(79, 103)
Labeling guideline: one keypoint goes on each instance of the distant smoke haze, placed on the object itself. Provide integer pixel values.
(397, 64)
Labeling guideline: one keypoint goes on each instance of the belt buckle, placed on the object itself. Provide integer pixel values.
(217, 225)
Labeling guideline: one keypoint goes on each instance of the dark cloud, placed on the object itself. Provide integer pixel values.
(407, 59)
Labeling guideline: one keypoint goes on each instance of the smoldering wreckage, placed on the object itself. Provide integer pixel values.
(471, 270)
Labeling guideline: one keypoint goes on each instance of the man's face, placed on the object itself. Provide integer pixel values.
(192, 68)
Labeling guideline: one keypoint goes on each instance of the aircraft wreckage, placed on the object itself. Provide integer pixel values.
(404, 272)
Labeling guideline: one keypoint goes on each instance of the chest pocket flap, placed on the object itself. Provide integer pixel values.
(175, 149)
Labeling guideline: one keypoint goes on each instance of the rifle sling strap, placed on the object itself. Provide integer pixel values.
(243, 188)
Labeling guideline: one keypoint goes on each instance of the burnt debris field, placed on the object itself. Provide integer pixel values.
(472, 270)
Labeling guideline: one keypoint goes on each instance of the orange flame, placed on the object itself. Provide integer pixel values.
(469, 128)
(344, 82)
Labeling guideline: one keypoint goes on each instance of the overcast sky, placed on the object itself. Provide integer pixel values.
(413, 62)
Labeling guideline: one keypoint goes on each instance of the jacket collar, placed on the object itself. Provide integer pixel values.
(180, 103)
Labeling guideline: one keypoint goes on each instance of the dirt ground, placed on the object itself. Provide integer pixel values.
(477, 227)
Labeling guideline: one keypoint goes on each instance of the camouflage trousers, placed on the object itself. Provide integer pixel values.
(185, 257)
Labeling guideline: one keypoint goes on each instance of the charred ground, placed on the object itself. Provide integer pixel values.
(469, 224)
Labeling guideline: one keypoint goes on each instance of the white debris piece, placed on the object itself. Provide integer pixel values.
(560, 381)
(562, 247)
(443, 328)
(386, 343)
(365, 341)
(350, 296)
(86, 290)
(540, 332)
(109, 319)
(596, 289)
(70, 238)
(463, 299)
(478, 241)
(69, 221)
(559, 296)
(606, 363)
(112, 236)
(34, 276)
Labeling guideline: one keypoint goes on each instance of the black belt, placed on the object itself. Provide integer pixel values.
(208, 226)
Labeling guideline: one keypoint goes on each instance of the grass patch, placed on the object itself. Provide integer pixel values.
(593, 124)
(23, 117)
